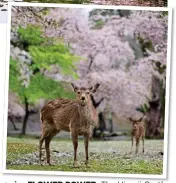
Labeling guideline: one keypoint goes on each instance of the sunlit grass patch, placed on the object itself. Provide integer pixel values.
(16, 150)
(22, 154)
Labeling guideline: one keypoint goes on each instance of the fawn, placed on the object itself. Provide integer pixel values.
(77, 116)
(137, 133)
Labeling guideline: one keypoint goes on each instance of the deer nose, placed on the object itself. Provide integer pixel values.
(83, 98)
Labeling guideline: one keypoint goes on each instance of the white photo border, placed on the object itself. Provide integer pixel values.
(167, 99)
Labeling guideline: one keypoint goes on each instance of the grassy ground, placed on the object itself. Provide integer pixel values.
(105, 156)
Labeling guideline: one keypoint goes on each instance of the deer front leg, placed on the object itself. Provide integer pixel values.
(47, 145)
(75, 146)
(132, 143)
(143, 143)
(86, 144)
(137, 145)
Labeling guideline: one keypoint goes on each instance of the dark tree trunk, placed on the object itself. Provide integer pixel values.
(111, 125)
(102, 125)
(96, 104)
(11, 118)
(102, 122)
(154, 118)
(155, 115)
(25, 120)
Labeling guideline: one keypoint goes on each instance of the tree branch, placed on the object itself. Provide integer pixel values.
(96, 104)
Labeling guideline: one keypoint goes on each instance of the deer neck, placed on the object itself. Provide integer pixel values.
(88, 111)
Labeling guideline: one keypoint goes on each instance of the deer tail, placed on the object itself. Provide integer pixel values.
(41, 117)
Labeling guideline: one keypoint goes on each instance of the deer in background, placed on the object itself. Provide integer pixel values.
(138, 132)
(77, 116)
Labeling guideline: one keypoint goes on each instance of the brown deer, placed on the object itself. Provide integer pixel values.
(77, 116)
(138, 132)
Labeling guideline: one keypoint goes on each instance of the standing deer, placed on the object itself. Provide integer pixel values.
(77, 116)
(138, 132)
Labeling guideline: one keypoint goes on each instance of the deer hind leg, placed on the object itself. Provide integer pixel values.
(86, 144)
(45, 133)
(75, 145)
(42, 138)
(47, 144)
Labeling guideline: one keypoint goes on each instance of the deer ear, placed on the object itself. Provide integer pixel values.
(74, 87)
(130, 119)
(140, 120)
(94, 88)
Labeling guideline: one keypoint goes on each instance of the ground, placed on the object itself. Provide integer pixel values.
(105, 156)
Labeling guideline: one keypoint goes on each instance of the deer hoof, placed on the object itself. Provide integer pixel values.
(50, 164)
(75, 165)
(87, 166)
(86, 163)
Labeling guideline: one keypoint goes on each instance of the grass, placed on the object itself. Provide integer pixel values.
(105, 156)
(106, 166)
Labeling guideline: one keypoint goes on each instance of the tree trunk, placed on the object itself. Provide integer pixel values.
(25, 120)
(102, 122)
(11, 118)
(100, 117)
(155, 115)
(111, 125)
(154, 119)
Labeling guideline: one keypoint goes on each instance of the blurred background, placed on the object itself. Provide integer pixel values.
(123, 50)
(155, 3)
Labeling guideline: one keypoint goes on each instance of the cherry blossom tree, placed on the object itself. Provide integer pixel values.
(122, 50)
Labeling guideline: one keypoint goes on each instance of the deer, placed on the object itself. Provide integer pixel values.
(137, 133)
(77, 116)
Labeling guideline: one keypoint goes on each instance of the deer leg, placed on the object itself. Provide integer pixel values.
(75, 145)
(143, 143)
(86, 144)
(137, 145)
(47, 145)
(42, 138)
(132, 143)
(46, 130)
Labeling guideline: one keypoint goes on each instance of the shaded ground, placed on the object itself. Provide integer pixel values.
(105, 156)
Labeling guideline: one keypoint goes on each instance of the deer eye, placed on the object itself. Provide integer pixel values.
(88, 93)
(78, 92)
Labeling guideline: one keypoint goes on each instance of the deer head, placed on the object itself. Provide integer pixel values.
(83, 94)
(135, 123)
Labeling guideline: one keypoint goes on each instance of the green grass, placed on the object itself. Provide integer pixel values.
(105, 156)
(16, 150)
(106, 166)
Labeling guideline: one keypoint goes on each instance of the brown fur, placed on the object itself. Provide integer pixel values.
(77, 116)
(138, 132)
